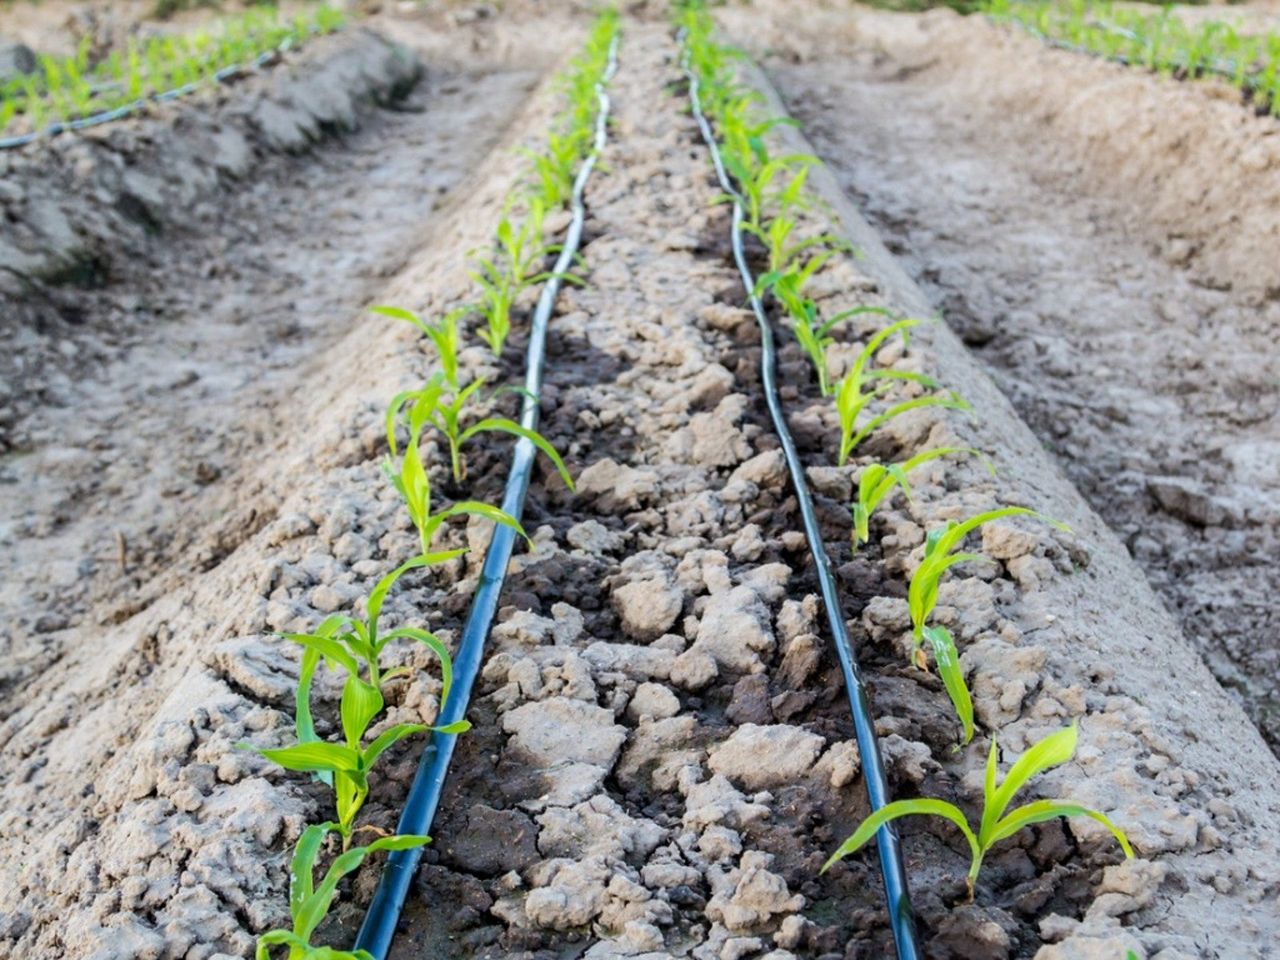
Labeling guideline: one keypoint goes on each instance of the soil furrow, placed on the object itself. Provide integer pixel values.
(164, 431)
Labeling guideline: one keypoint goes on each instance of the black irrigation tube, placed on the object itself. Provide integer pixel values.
(119, 113)
(901, 915)
(379, 927)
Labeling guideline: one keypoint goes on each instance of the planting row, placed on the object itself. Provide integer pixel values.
(1161, 42)
(65, 93)
(444, 414)
(866, 396)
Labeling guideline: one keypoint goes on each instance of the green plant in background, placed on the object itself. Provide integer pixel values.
(998, 822)
(71, 88)
(513, 268)
(1161, 42)
(309, 904)
(555, 166)
(858, 387)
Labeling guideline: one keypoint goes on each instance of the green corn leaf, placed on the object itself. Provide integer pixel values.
(873, 345)
(317, 905)
(408, 316)
(905, 375)
(844, 315)
(301, 867)
(388, 737)
(458, 726)
(332, 650)
(436, 646)
(361, 702)
(506, 425)
(275, 938)
(378, 596)
(902, 808)
(1052, 751)
(957, 532)
(310, 757)
(476, 508)
(952, 401)
(948, 663)
(393, 411)
(922, 593)
(1042, 810)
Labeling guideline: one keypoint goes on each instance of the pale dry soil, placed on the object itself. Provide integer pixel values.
(1157, 390)
(155, 449)
(662, 757)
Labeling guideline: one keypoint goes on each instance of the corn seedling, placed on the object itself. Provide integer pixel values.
(436, 406)
(346, 640)
(996, 824)
(878, 481)
(444, 336)
(513, 268)
(922, 597)
(356, 646)
(348, 764)
(811, 331)
(861, 385)
(309, 903)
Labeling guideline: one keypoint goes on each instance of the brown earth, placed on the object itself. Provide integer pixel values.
(665, 618)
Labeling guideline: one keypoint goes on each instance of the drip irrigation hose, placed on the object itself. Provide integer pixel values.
(120, 112)
(901, 916)
(379, 927)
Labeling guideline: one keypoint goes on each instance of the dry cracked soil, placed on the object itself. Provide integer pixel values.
(662, 755)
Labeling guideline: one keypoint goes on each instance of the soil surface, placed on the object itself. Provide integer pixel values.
(162, 424)
(1158, 392)
(662, 754)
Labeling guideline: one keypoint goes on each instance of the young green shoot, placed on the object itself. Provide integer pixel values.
(413, 483)
(356, 647)
(858, 387)
(940, 556)
(348, 641)
(443, 410)
(997, 822)
(812, 332)
(443, 334)
(922, 597)
(878, 481)
(309, 903)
